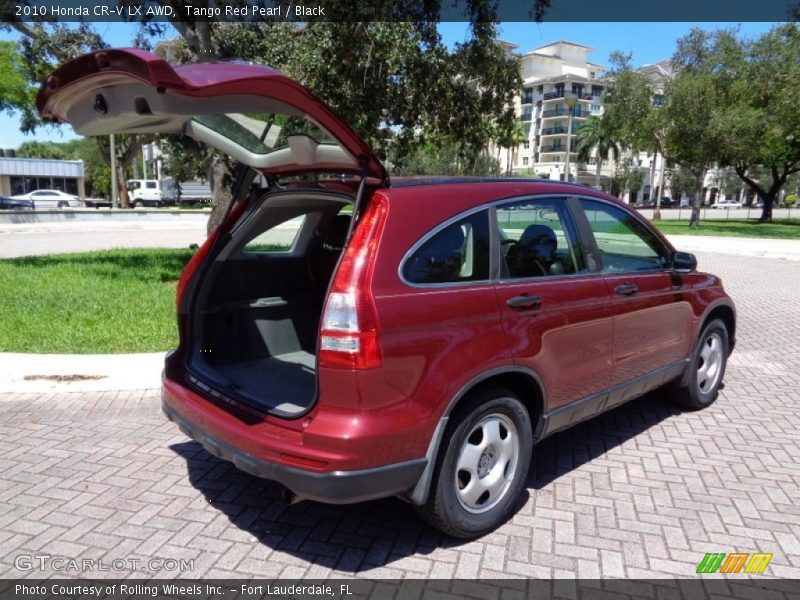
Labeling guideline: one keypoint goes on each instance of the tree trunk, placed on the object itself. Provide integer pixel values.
(768, 199)
(122, 187)
(597, 172)
(221, 181)
(657, 211)
(694, 221)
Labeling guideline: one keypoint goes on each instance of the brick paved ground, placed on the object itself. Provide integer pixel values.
(644, 491)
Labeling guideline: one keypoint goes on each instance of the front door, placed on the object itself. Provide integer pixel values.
(651, 309)
(555, 310)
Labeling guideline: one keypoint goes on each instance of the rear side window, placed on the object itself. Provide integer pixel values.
(459, 252)
(279, 238)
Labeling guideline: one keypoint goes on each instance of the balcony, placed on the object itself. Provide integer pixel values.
(558, 130)
(563, 112)
(554, 148)
(561, 94)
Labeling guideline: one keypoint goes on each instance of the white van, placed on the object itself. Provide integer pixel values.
(150, 192)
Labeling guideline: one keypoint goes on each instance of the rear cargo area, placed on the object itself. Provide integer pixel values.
(256, 322)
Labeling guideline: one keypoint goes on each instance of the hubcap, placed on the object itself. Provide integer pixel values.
(487, 463)
(709, 368)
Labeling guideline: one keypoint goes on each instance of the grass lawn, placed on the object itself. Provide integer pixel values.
(99, 302)
(781, 229)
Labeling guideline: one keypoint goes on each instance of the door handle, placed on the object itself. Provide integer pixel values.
(525, 302)
(626, 289)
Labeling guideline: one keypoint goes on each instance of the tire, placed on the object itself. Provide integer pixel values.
(701, 382)
(138, 204)
(482, 465)
(62, 204)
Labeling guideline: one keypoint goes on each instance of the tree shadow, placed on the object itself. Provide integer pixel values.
(360, 537)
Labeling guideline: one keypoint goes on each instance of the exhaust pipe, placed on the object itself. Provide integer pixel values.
(289, 497)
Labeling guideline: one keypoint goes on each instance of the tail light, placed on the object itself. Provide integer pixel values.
(349, 332)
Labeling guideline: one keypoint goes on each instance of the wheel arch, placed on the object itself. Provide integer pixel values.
(726, 312)
(525, 383)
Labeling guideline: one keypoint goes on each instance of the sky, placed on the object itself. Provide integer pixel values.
(647, 42)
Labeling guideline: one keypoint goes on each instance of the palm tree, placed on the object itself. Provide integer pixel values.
(513, 138)
(594, 135)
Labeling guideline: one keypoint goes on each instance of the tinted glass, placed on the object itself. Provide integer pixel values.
(624, 243)
(459, 252)
(280, 238)
(538, 239)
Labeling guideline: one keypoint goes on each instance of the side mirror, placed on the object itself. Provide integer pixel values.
(683, 262)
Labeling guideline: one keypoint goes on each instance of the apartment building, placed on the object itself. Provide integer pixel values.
(561, 89)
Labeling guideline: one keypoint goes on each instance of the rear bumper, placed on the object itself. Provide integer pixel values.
(334, 487)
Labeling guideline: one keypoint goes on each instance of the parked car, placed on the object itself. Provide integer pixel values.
(726, 204)
(7, 203)
(50, 199)
(667, 202)
(412, 338)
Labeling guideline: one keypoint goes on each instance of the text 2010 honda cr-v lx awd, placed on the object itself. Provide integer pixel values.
(353, 339)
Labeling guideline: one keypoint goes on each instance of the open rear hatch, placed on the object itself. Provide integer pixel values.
(257, 305)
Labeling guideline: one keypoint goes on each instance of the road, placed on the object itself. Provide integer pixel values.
(31, 239)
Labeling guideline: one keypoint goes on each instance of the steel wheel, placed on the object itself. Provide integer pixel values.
(486, 463)
(700, 384)
(709, 368)
(481, 465)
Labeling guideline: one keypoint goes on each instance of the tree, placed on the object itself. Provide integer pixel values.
(34, 149)
(631, 116)
(439, 159)
(627, 176)
(43, 47)
(594, 135)
(15, 92)
(759, 124)
(683, 183)
(511, 142)
(395, 82)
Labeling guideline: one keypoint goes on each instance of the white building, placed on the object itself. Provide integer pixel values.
(555, 76)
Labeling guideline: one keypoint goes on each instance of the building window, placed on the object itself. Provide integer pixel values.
(595, 109)
(597, 91)
(527, 113)
(527, 96)
(658, 100)
(524, 161)
(591, 74)
(526, 144)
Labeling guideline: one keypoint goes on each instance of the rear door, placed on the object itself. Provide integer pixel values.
(251, 113)
(554, 307)
(651, 310)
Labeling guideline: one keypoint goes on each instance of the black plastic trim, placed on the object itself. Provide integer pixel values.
(335, 487)
(586, 408)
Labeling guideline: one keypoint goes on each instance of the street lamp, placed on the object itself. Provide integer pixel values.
(571, 101)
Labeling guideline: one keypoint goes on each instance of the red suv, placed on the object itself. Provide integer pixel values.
(352, 339)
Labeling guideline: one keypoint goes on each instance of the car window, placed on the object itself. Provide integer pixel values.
(538, 239)
(151, 185)
(40, 194)
(624, 243)
(459, 252)
(280, 238)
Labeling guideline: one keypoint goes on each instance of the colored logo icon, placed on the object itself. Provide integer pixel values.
(737, 562)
